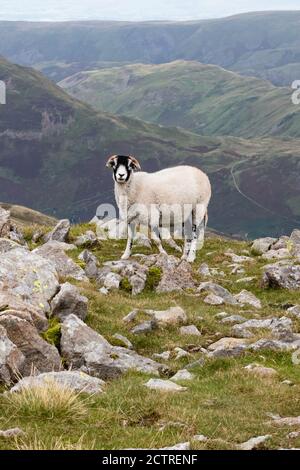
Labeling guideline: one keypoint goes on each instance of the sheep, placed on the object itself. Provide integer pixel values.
(150, 199)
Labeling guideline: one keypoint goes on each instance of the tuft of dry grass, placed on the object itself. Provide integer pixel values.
(56, 443)
(48, 401)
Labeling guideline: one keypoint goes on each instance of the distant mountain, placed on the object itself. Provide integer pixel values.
(205, 99)
(265, 44)
(53, 150)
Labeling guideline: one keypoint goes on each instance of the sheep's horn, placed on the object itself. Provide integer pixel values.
(135, 162)
(110, 161)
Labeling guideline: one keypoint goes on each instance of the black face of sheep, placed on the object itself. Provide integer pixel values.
(123, 166)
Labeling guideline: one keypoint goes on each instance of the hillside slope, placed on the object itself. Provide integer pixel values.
(54, 149)
(205, 99)
(265, 44)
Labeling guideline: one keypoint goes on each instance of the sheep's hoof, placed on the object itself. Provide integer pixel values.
(125, 257)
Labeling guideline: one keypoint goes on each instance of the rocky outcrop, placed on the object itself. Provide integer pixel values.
(285, 277)
(176, 275)
(11, 359)
(60, 233)
(4, 223)
(69, 301)
(87, 350)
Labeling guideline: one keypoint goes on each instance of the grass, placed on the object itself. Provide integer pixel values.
(224, 402)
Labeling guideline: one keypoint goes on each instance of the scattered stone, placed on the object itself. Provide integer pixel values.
(165, 356)
(12, 433)
(274, 345)
(221, 315)
(281, 253)
(54, 251)
(239, 259)
(182, 375)
(293, 435)
(291, 421)
(144, 328)
(181, 446)
(131, 316)
(125, 341)
(262, 245)
(245, 280)
(177, 275)
(237, 269)
(11, 359)
(190, 330)
(75, 380)
(204, 270)
(141, 239)
(233, 319)
(4, 223)
(273, 324)
(200, 438)
(287, 382)
(88, 239)
(254, 443)
(104, 291)
(282, 242)
(60, 232)
(219, 291)
(246, 297)
(91, 264)
(227, 347)
(112, 281)
(39, 354)
(213, 299)
(7, 245)
(261, 371)
(85, 349)
(198, 363)
(172, 316)
(286, 277)
(180, 353)
(294, 311)
(69, 301)
(164, 386)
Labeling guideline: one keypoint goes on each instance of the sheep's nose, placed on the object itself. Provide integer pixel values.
(121, 175)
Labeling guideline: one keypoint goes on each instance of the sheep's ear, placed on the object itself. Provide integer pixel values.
(111, 161)
(134, 163)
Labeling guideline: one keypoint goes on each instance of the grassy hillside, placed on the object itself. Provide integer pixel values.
(254, 44)
(54, 149)
(205, 99)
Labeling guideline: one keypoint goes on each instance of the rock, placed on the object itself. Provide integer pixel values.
(282, 242)
(112, 281)
(138, 283)
(181, 446)
(164, 386)
(177, 275)
(295, 237)
(261, 371)
(141, 239)
(281, 253)
(113, 229)
(293, 435)
(288, 382)
(254, 443)
(233, 319)
(274, 345)
(134, 273)
(200, 438)
(88, 239)
(54, 251)
(125, 341)
(239, 259)
(199, 363)
(69, 301)
(182, 375)
(7, 245)
(237, 269)
(204, 270)
(131, 316)
(165, 356)
(4, 223)
(91, 264)
(11, 359)
(77, 381)
(246, 297)
(218, 291)
(262, 245)
(12, 433)
(172, 316)
(221, 315)
(291, 421)
(273, 324)
(144, 328)
(227, 347)
(294, 311)
(172, 244)
(190, 330)
(11, 304)
(286, 277)
(33, 279)
(245, 280)
(85, 349)
(213, 299)
(60, 232)
(104, 291)
(38, 354)
(180, 353)
(17, 236)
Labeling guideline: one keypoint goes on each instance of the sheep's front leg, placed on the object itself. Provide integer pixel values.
(130, 237)
(156, 237)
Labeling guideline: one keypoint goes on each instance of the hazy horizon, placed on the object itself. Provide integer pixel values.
(134, 10)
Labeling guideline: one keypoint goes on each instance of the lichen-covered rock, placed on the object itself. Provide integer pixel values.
(273, 324)
(280, 253)
(75, 380)
(91, 264)
(219, 291)
(69, 301)
(294, 311)
(262, 245)
(212, 299)
(228, 347)
(247, 298)
(38, 354)
(190, 330)
(4, 223)
(54, 251)
(11, 359)
(60, 232)
(88, 239)
(84, 349)
(11, 304)
(285, 277)
(7, 245)
(176, 275)
(28, 277)
(182, 375)
(172, 316)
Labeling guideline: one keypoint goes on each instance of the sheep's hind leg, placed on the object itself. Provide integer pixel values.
(156, 237)
(130, 237)
(198, 240)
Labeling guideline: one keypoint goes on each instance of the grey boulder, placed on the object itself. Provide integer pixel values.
(69, 301)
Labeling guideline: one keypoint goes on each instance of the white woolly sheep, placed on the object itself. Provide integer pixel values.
(151, 199)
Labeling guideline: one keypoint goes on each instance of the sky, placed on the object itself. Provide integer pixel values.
(134, 10)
